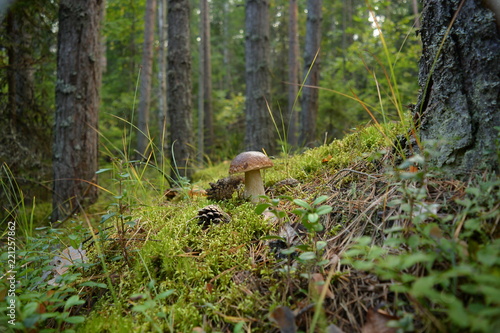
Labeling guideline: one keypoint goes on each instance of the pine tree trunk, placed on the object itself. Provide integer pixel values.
(145, 81)
(310, 105)
(208, 121)
(259, 128)
(77, 103)
(162, 78)
(458, 107)
(179, 88)
(293, 73)
(20, 75)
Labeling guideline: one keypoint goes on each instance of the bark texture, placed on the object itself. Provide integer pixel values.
(162, 77)
(458, 106)
(77, 103)
(179, 88)
(259, 132)
(293, 72)
(145, 83)
(208, 121)
(309, 112)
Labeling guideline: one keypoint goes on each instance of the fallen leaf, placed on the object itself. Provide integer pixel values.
(333, 329)
(198, 330)
(69, 256)
(284, 318)
(318, 283)
(376, 322)
(327, 159)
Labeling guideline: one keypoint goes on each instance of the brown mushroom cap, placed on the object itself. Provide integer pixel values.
(248, 161)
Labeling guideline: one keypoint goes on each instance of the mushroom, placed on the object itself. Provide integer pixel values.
(250, 163)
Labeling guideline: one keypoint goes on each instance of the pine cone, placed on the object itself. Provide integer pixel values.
(212, 214)
(224, 188)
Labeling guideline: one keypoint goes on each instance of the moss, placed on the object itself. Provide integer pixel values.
(218, 274)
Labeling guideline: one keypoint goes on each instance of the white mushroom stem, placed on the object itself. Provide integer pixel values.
(253, 185)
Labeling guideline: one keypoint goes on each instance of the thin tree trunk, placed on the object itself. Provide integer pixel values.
(208, 121)
(201, 92)
(459, 105)
(179, 88)
(162, 78)
(414, 4)
(227, 84)
(293, 72)
(77, 103)
(309, 111)
(259, 128)
(145, 82)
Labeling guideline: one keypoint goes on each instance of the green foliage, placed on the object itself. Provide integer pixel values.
(39, 301)
(362, 67)
(456, 255)
(311, 252)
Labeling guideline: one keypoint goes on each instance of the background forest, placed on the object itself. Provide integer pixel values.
(351, 61)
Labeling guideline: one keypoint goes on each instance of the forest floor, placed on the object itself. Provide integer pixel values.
(353, 236)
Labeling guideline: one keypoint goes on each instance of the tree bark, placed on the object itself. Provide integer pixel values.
(259, 128)
(179, 88)
(145, 81)
(459, 77)
(208, 121)
(21, 74)
(309, 111)
(77, 103)
(293, 72)
(162, 78)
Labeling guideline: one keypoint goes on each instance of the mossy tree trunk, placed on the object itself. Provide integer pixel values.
(179, 88)
(77, 103)
(458, 106)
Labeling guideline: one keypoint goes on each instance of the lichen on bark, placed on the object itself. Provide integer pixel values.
(458, 106)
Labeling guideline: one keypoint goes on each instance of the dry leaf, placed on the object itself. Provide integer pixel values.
(68, 257)
(327, 159)
(198, 330)
(209, 287)
(333, 329)
(376, 322)
(318, 283)
(285, 319)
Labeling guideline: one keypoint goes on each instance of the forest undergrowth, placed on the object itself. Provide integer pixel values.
(350, 236)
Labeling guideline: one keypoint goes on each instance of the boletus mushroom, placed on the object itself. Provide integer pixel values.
(250, 163)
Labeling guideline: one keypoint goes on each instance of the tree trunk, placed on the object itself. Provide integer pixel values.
(309, 111)
(20, 75)
(77, 102)
(414, 5)
(459, 77)
(179, 88)
(162, 78)
(145, 80)
(259, 127)
(208, 121)
(293, 72)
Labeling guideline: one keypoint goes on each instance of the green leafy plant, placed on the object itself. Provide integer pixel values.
(42, 302)
(309, 215)
(446, 266)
